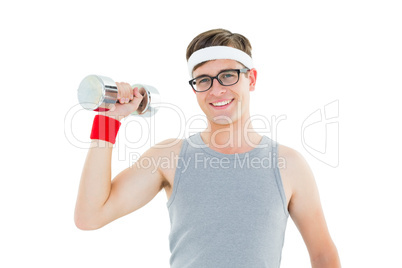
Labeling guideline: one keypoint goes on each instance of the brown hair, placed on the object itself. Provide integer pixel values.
(218, 37)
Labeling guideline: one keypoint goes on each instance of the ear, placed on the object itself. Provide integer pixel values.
(252, 76)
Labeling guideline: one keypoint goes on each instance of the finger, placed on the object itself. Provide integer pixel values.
(127, 90)
(123, 92)
(137, 97)
(137, 93)
(120, 91)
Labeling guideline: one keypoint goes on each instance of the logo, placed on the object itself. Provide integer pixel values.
(320, 134)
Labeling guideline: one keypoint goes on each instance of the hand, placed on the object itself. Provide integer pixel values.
(128, 100)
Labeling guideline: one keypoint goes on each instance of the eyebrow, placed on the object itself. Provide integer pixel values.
(201, 75)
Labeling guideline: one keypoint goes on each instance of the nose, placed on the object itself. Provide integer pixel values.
(216, 89)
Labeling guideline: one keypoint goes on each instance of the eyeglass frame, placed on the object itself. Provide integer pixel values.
(239, 71)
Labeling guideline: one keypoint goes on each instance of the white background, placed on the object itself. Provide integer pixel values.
(308, 54)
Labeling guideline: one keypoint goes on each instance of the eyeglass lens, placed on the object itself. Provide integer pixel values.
(225, 78)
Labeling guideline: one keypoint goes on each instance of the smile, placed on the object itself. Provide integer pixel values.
(221, 103)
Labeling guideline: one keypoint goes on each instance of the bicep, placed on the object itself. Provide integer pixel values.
(133, 188)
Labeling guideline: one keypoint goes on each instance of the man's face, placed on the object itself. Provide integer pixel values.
(225, 104)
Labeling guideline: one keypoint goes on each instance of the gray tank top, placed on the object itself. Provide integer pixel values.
(227, 210)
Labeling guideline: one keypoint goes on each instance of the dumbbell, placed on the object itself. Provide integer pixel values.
(98, 93)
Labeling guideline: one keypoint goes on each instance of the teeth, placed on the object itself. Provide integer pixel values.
(221, 103)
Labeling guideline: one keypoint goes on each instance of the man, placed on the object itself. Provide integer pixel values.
(228, 200)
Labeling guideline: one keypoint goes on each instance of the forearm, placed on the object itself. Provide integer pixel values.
(95, 185)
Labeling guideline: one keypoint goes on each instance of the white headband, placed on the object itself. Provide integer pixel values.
(217, 53)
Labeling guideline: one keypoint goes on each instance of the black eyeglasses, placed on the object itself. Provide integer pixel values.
(225, 78)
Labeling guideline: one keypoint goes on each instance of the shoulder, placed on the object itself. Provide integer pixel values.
(295, 171)
(166, 154)
(168, 147)
(291, 158)
(169, 144)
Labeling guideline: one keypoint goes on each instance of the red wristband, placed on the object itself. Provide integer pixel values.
(105, 128)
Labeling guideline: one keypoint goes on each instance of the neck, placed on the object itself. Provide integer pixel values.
(237, 137)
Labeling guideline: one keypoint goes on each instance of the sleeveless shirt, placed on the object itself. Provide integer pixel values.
(227, 210)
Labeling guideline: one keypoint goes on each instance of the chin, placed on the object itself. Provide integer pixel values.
(223, 119)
